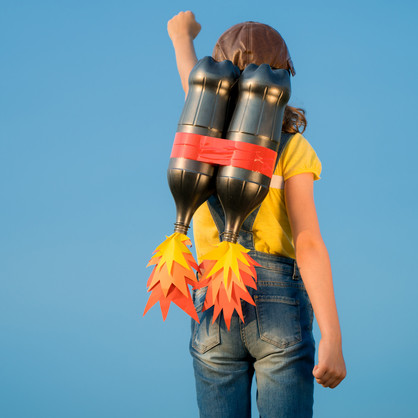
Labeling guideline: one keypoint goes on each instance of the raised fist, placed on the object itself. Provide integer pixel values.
(183, 25)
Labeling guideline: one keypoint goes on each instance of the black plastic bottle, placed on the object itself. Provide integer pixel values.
(257, 119)
(204, 113)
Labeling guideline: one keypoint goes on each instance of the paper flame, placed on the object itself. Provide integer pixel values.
(227, 270)
(173, 272)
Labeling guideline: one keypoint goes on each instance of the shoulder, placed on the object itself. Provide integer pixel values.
(299, 157)
(297, 144)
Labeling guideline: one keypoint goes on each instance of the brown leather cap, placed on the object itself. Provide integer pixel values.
(253, 43)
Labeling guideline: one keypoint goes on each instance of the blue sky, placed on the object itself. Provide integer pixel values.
(89, 104)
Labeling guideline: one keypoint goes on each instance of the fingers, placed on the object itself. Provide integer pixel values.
(328, 377)
(189, 13)
(186, 17)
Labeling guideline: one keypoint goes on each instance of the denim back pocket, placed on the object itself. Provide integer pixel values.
(205, 334)
(278, 319)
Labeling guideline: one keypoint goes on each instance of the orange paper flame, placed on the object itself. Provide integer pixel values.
(227, 270)
(173, 272)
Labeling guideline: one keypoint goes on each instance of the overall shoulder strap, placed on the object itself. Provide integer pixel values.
(284, 139)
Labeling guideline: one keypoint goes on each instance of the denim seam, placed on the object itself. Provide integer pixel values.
(287, 260)
(289, 272)
(200, 306)
(276, 284)
(278, 298)
(279, 270)
(243, 336)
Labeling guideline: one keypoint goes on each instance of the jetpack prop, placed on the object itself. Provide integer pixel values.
(226, 143)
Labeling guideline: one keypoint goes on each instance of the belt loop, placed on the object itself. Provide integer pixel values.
(294, 277)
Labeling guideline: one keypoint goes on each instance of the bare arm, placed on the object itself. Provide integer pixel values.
(182, 30)
(315, 268)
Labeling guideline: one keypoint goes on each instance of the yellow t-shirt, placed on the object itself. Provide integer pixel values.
(272, 232)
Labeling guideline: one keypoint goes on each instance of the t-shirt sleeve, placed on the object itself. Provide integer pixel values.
(299, 157)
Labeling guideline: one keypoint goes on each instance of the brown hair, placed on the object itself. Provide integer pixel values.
(253, 43)
(294, 120)
(257, 43)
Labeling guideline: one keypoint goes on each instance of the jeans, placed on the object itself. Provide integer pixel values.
(275, 342)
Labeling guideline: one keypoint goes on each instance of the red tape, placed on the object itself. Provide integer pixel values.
(207, 149)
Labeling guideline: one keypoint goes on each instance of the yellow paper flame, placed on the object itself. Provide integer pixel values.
(228, 270)
(173, 272)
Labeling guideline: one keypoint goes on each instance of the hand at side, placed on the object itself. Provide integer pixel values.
(330, 370)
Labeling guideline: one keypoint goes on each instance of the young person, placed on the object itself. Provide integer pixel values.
(294, 279)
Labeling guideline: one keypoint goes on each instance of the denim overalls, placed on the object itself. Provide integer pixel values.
(275, 341)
